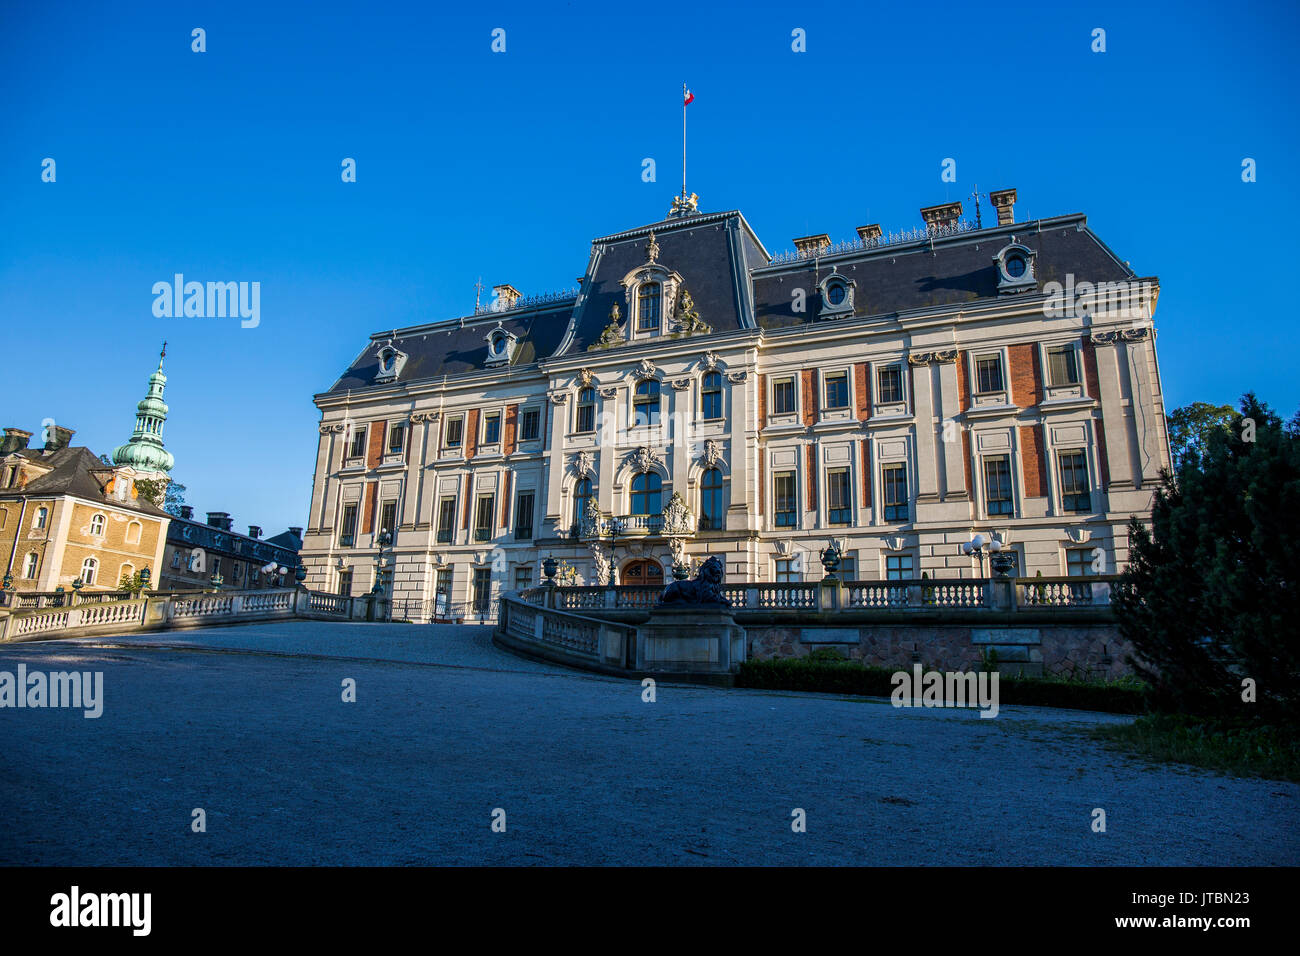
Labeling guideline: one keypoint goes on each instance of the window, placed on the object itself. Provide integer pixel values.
(586, 421)
(446, 518)
(783, 496)
(895, 485)
(29, 565)
(348, 527)
(1079, 561)
(237, 572)
(711, 396)
(358, 449)
(523, 579)
(898, 567)
(195, 562)
(988, 373)
(711, 501)
(1062, 366)
(997, 485)
(783, 396)
(645, 403)
(647, 307)
(176, 559)
(889, 384)
(837, 390)
(126, 571)
(848, 568)
(482, 591)
(345, 582)
(89, 567)
(442, 593)
(455, 431)
(42, 515)
(483, 517)
(396, 439)
(492, 428)
(647, 494)
(388, 517)
(216, 567)
(1074, 481)
(839, 497)
(836, 293)
(785, 572)
(524, 516)
(530, 424)
(133, 532)
(581, 495)
(97, 525)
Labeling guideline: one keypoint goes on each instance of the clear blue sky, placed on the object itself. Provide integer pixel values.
(225, 166)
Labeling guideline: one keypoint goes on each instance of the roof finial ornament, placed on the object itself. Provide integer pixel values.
(652, 249)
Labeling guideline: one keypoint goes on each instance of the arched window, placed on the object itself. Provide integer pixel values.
(711, 501)
(88, 569)
(126, 572)
(711, 395)
(647, 307)
(42, 515)
(581, 495)
(133, 532)
(586, 421)
(97, 524)
(647, 494)
(645, 403)
(29, 565)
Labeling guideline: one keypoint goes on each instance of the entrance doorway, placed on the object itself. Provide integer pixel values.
(642, 571)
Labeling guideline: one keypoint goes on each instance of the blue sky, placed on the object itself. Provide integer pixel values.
(225, 166)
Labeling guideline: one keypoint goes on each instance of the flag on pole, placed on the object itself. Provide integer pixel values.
(687, 96)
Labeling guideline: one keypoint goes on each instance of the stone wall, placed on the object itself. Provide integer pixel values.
(1089, 649)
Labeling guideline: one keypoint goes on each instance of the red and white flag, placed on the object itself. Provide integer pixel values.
(687, 96)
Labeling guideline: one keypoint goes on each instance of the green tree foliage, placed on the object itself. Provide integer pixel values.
(1212, 592)
(1191, 425)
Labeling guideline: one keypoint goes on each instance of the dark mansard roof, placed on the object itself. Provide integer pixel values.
(736, 285)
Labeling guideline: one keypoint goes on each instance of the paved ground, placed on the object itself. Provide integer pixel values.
(248, 724)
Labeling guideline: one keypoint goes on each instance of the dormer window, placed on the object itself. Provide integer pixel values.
(1015, 265)
(391, 361)
(648, 299)
(501, 346)
(837, 296)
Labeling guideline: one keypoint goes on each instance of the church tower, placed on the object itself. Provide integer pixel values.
(144, 455)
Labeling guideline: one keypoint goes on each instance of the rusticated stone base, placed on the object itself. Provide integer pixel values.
(690, 639)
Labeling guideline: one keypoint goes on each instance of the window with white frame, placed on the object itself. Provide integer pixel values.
(988, 373)
(585, 420)
(645, 403)
(30, 564)
(839, 496)
(835, 386)
(1062, 365)
(889, 384)
(358, 449)
(89, 568)
(898, 567)
(785, 499)
(455, 431)
(711, 396)
(786, 570)
(42, 515)
(711, 500)
(997, 485)
(530, 424)
(1075, 493)
(396, 438)
(648, 298)
(492, 428)
(1082, 562)
(783, 400)
(97, 524)
(894, 487)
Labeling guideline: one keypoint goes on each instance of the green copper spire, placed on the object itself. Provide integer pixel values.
(145, 451)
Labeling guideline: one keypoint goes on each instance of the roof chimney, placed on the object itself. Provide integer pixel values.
(811, 245)
(187, 512)
(57, 437)
(869, 233)
(217, 519)
(942, 216)
(1004, 200)
(15, 440)
(505, 296)
(296, 532)
(254, 531)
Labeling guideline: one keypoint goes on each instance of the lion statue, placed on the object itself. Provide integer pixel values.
(704, 588)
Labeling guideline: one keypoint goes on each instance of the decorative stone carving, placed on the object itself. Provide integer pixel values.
(712, 452)
(680, 384)
(1120, 335)
(589, 523)
(735, 378)
(645, 369)
(678, 519)
(687, 320)
(609, 391)
(710, 360)
(644, 459)
(704, 588)
(417, 417)
(559, 398)
(584, 464)
(940, 357)
(612, 336)
(603, 564)
(584, 377)
(652, 249)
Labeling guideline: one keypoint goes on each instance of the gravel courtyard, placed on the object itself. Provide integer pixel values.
(249, 724)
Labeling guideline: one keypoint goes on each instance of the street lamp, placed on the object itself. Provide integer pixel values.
(976, 546)
(613, 527)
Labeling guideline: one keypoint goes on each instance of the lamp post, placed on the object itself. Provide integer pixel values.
(976, 545)
(613, 527)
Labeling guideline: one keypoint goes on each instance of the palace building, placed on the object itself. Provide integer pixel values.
(697, 395)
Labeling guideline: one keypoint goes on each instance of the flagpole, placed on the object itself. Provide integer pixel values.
(683, 140)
